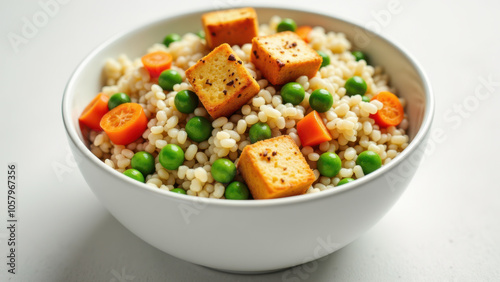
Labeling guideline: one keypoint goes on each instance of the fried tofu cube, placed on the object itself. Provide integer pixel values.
(283, 57)
(221, 82)
(275, 168)
(234, 26)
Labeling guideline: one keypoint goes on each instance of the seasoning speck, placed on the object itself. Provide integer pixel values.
(255, 53)
(231, 58)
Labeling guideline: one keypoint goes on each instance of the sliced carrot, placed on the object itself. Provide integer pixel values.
(124, 123)
(93, 112)
(392, 113)
(303, 32)
(157, 62)
(312, 131)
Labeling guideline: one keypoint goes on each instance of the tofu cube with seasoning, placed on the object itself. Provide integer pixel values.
(283, 57)
(275, 168)
(221, 82)
(234, 26)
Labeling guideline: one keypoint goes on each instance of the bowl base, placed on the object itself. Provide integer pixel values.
(257, 272)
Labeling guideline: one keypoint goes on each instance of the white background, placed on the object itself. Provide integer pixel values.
(445, 227)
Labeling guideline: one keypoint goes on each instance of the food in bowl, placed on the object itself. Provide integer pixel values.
(180, 117)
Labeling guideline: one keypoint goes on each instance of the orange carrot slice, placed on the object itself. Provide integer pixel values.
(156, 62)
(312, 131)
(93, 112)
(125, 123)
(392, 113)
(303, 32)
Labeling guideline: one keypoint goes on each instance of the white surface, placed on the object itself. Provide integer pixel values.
(445, 227)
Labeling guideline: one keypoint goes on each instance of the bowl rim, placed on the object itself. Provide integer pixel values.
(72, 134)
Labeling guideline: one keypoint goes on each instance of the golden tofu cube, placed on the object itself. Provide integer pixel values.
(221, 82)
(275, 168)
(283, 57)
(234, 26)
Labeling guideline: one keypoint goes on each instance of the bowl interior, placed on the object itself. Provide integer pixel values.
(405, 74)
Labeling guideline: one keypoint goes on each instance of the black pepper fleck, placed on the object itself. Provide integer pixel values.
(224, 91)
(255, 53)
(265, 153)
(208, 82)
(240, 62)
(274, 153)
(213, 33)
(231, 58)
(230, 83)
(282, 180)
(280, 63)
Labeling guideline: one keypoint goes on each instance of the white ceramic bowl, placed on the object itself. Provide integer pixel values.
(251, 236)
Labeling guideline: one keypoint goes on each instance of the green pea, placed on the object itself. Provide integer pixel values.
(325, 58)
(355, 85)
(171, 156)
(199, 129)
(169, 78)
(287, 24)
(143, 162)
(365, 99)
(134, 174)
(293, 93)
(172, 37)
(186, 101)
(329, 164)
(321, 100)
(259, 131)
(358, 56)
(201, 34)
(118, 99)
(237, 191)
(369, 161)
(223, 170)
(179, 191)
(344, 181)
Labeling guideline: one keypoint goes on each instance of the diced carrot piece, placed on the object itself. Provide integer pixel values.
(125, 123)
(93, 112)
(156, 62)
(303, 32)
(312, 131)
(392, 113)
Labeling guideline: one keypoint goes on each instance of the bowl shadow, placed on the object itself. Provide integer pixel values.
(113, 253)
